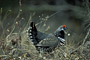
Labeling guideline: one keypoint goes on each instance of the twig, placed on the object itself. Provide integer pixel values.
(83, 41)
(86, 37)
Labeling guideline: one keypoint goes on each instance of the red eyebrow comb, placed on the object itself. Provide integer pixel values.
(63, 26)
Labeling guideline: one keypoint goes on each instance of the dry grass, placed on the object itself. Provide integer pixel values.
(24, 49)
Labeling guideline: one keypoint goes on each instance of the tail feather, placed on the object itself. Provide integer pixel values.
(32, 33)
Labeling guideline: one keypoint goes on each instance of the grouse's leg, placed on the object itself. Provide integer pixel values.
(32, 33)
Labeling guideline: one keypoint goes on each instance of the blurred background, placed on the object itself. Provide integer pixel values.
(56, 12)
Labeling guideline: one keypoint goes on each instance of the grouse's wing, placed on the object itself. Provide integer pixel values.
(48, 42)
(41, 35)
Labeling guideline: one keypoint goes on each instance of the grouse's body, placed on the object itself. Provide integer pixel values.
(49, 41)
(43, 41)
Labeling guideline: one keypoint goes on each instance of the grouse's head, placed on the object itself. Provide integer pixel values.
(60, 31)
(62, 27)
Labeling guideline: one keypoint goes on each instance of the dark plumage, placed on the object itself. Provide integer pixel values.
(44, 41)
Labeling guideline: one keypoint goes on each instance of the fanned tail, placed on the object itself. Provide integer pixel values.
(32, 33)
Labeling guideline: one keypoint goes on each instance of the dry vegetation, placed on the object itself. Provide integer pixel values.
(14, 43)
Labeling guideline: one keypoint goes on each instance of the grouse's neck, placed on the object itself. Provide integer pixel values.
(60, 32)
